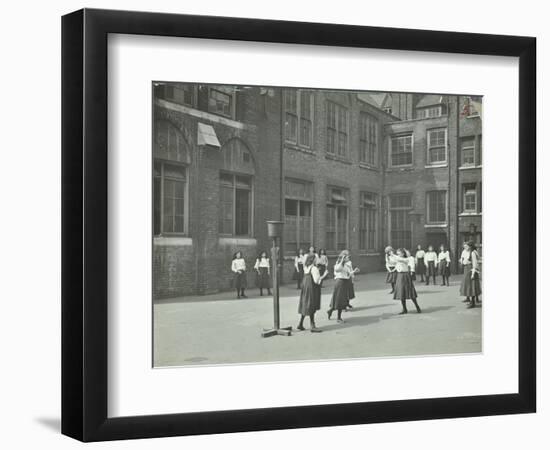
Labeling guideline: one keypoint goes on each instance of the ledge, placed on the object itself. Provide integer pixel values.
(469, 167)
(436, 166)
(168, 241)
(236, 240)
(337, 158)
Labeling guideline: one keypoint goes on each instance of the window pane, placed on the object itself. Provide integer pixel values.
(291, 126)
(437, 207)
(156, 206)
(242, 212)
(219, 102)
(226, 210)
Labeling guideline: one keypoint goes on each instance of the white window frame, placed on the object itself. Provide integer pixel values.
(234, 175)
(231, 92)
(338, 131)
(299, 116)
(375, 209)
(397, 136)
(443, 163)
(185, 170)
(465, 191)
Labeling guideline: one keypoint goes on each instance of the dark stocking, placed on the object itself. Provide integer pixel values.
(238, 293)
(418, 310)
(404, 305)
(301, 324)
(242, 293)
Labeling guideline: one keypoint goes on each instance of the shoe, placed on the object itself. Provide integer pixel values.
(316, 330)
(470, 306)
(391, 292)
(465, 301)
(340, 320)
(350, 307)
(403, 312)
(418, 310)
(329, 314)
(300, 327)
(244, 296)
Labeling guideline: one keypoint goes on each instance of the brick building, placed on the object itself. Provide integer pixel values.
(342, 169)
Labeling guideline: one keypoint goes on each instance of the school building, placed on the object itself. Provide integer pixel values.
(341, 169)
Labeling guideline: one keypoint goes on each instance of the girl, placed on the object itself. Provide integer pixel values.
(299, 266)
(390, 267)
(263, 278)
(313, 252)
(430, 257)
(471, 287)
(340, 295)
(464, 258)
(404, 287)
(353, 271)
(444, 263)
(419, 260)
(322, 263)
(310, 297)
(412, 265)
(238, 267)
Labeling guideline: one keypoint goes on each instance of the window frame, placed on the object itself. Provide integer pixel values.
(337, 129)
(185, 170)
(429, 162)
(405, 209)
(234, 176)
(470, 188)
(299, 117)
(232, 96)
(364, 209)
(298, 210)
(474, 148)
(365, 142)
(445, 208)
(390, 141)
(332, 205)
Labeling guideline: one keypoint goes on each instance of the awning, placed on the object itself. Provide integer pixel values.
(207, 136)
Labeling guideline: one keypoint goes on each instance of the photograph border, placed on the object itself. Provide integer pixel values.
(84, 224)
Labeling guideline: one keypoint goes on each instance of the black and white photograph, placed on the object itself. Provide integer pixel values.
(305, 224)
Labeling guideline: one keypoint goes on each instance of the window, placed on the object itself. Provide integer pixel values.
(299, 117)
(432, 111)
(470, 198)
(188, 94)
(235, 211)
(400, 220)
(220, 102)
(337, 219)
(298, 215)
(401, 150)
(169, 194)
(337, 129)
(368, 138)
(468, 153)
(437, 146)
(436, 204)
(367, 221)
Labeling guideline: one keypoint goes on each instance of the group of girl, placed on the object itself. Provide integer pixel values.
(314, 269)
(430, 264)
(470, 286)
(320, 260)
(262, 267)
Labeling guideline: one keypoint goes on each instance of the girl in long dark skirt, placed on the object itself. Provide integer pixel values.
(310, 297)
(299, 266)
(444, 265)
(464, 260)
(263, 276)
(390, 267)
(419, 262)
(340, 295)
(322, 263)
(238, 267)
(471, 286)
(404, 287)
(430, 257)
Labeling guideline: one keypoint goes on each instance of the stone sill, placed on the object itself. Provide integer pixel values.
(168, 241)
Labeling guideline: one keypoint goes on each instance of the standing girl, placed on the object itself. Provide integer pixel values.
(419, 260)
(238, 267)
(263, 277)
(430, 257)
(464, 260)
(444, 263)
(390, 267)
(322, 263)
(340, 295)
(471, 287)
(299, 266)
(404, 287)
(310, 297)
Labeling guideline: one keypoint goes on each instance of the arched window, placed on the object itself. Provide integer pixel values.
(170, 143)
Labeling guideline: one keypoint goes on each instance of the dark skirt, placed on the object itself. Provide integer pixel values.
(404, 287)
(420, 266)
(391, 277)
(430, 269)
(239, 281)
(444, 269)
(469, 286)
(340, 295)
(299, 274)
(263, 279)
(310, 297)
(351, 293)
(413, 276)
(322, 269)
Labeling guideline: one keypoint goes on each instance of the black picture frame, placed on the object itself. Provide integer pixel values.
(84, 224)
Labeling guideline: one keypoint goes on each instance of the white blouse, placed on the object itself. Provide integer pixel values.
(444, 256)
(238, 265)
(323, 259)
(299, 260)
(420, 254)
(315, 274)
(342, 271)
(261, 262)
(464, 257)
(390, 264)
(412, 263)
(430, 256)
(401, 263)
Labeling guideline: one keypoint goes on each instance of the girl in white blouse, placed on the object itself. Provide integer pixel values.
(430, 258)
(444, 264)
(322, 263)
(263, 273)
(471, 286)
(238, 267)
(419, 262)
(299, 260)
